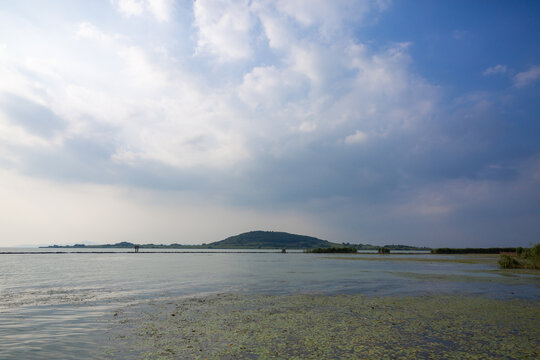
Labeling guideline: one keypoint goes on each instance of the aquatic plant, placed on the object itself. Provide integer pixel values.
(307, 326)
(532, 253)
(383, 250)
(524, 259)
(508, 262)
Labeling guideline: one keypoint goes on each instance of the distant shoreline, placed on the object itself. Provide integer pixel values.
(217, 251)
(140, 252)
(360, 247)
(252, 240)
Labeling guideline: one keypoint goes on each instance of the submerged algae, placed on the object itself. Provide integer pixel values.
(235, 326)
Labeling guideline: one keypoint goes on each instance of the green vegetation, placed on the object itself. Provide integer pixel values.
(508, 262)
(332, 250)
(383, 250)
(309, 326)
(524, 259)
(271, 240)
(472, 250)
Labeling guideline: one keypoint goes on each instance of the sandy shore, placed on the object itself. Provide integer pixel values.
(240, 326)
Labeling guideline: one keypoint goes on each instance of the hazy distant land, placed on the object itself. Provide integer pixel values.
(252, 240)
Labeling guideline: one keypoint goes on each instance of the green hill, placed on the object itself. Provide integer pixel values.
(270, 240)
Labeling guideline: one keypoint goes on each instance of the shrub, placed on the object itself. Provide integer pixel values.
(531, 257)
(508, 262)
(535, 251)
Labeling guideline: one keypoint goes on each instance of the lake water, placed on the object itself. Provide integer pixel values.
(59, 306)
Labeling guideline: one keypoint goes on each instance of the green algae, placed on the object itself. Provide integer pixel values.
(236, 326)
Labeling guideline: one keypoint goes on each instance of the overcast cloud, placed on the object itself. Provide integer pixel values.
(176, 121)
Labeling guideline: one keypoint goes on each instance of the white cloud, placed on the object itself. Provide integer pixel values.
(129, 7)
(329, 17)
(497, 69)
(331, 88)
(152, 109)
(13, 135)
(164, 109)
(357, 137)
(89, 31)
(276, 30)
(141, 71)
(155, 108)
(307, 61)
(526, 77)
(307, 126)
(224, 28)
(160, 9)
(271, 88)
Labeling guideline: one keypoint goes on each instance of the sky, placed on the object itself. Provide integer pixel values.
(163, 121)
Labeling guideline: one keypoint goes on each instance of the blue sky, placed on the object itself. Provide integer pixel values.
(167, 121)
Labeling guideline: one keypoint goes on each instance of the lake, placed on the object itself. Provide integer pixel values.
(60, 305)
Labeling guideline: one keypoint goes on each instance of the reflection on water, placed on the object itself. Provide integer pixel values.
(59, 305)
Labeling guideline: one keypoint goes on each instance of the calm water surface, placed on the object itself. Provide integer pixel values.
(58, 306)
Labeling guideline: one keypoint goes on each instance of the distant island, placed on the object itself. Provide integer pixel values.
(270, 240)
(252, 240)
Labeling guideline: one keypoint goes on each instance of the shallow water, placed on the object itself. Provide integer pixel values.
(60, 305)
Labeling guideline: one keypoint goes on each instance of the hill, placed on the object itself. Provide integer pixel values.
(270, 240)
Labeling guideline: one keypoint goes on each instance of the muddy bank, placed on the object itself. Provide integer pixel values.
(237, 326)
